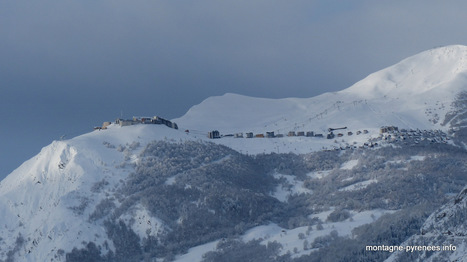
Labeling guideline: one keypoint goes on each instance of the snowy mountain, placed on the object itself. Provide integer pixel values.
(445, 230)
(45, 201)
(415, 93)
(152, 193)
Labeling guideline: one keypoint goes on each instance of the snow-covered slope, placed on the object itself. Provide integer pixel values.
(415, 93)
(445, 229)
(45, 203)
(58, 200)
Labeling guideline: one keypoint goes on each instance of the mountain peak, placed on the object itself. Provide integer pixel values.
(424, 72)
(415, 93)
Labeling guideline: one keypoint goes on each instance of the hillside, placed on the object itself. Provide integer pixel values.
(46, 200)
(148, 192)
(415, 93)
(445, 229)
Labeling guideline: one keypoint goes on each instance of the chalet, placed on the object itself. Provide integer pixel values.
(239, 135)
(249, 135)
(291, 133)
(259, 135)
(310, 133)
(270, 134)
(386, 129)
(214, 134)
(280, 135)
(300, 133)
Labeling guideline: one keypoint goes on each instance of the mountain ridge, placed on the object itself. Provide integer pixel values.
(437, 66)
(414, 93)
(77, 196)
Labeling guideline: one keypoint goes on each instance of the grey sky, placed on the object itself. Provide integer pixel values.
(66, 66)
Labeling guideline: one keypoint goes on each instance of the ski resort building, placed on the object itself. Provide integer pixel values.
(156, 120)
(386, 129)
(214, 134)
(125, 122)
(239, 135)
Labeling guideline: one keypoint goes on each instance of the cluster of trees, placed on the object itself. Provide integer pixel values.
(205, 192)
(401, 181)
(390, 230)
(18, 245)
(214, 192)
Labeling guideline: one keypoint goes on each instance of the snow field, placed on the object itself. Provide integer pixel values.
(293, 243)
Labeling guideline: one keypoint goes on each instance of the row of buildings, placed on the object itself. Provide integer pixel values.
(216, 134)
(415, 136)
(147, 120)
(155, 120)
